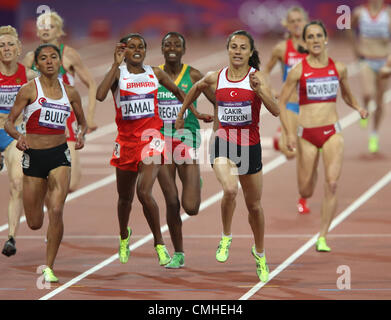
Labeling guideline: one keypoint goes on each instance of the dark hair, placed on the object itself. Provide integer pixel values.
(254, 59)
(315, 23)
(132, 35)
(42, 46)
(177, 34)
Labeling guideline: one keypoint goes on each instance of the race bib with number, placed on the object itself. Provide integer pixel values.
(54, 116)
(137, 106)
(7, 97)
(235, 113)
(169, 109)
(322, 88)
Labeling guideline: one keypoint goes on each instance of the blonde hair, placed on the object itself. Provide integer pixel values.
(9, 30)
(299, 9)
(53, 15)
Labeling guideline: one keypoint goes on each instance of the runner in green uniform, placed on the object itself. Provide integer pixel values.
(182, 145)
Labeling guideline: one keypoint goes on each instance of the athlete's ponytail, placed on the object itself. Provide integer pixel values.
(254, 60)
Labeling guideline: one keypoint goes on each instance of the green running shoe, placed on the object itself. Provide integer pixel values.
(124, 251)
(177, 261)
(222, 252)
(364, 123)
(262, 267)
(163, 255)
(373, 144)
(49, 275)
(321, 245)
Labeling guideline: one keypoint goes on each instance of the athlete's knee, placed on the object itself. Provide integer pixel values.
(191, 207)
(254, 207)
(230, 192)
(332, 187)
(35, 224)
(144, 194)
(16, 188)
(173, 205)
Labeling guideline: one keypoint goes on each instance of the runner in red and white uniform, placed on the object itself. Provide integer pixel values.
(240, 90)
(139, 145)
(12, 76)
(289, 52)
(318, 78)
(370, 39)
(46, 158)
(50, 30)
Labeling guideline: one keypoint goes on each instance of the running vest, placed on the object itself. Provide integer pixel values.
(169, 107)
(135, 102)
(45, 115)
(65, 76)
(374, 26)
(292, 57)
(318, 84)
(9, 87)
(238, 109)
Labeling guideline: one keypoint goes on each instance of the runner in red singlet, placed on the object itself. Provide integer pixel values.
(318, 78)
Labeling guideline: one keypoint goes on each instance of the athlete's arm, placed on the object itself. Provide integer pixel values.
(25, 95)
(385, 71)
(85, 76)
(31, 74)
(260, 84)
(351, 33)
(195, 76)
(209, 80)
(287, 90)
(28, 60)
(347, 95)
(277, 55)
(75, 100)
(111, 78)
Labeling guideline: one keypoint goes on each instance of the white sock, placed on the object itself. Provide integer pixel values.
(261, 254)
(227, 236)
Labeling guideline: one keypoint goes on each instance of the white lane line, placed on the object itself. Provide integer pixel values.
(310, 243)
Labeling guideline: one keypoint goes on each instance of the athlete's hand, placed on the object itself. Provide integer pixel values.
(255, 84)
(205, 117)
(179, 123)
(119, 53)
(91, 126)
(291, 142)
(79, 141)
(22, 143)
(363, 113)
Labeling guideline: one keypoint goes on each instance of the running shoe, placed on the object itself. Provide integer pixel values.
(124, 251)
(302, 206)
(177, 261)
(9, 248)
(364, 123)
(222, 252)
(262, 267)
(321, 245)
(49, 275)
(162, 254)
(373, 144)
(1, 161)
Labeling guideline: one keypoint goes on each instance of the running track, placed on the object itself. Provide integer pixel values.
(89, 269)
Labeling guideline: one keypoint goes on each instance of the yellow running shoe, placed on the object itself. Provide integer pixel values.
(124, 251)
(364, 123)
(162, 254)
(321, 245)
(373, 144)
(262, 267)
(222, 252)
(49, 275)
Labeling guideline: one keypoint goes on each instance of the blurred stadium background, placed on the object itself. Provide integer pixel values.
(194, 18)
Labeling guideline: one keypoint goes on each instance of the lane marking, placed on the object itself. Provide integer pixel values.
(310, 243)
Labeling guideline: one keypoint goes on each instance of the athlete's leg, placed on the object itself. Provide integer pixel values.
(191, 193)
(58, 188)
(34, 193)
(147, 176)
(126, 184)
(166, 178)
(225, 173)
(252, 191)
(76, 166)
(13, 158)
(292, 122)
(332, 157)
